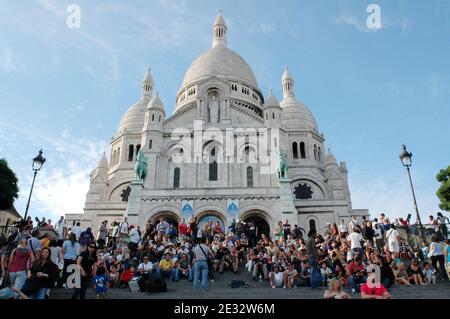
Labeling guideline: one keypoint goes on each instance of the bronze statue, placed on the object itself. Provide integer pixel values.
(141, 167)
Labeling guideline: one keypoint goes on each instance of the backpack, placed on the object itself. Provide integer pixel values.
(85, 239)
(238, 284)
(171, 232)
(156, 285)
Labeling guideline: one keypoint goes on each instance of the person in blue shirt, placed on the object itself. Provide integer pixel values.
(101, 283)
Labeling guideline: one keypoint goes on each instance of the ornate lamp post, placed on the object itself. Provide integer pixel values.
(38, 161)
(405, 158)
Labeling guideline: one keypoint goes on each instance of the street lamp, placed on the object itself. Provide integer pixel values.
(38, 161)
(405, 158)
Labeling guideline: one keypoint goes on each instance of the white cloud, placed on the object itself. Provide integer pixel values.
(63, 186)
(267, 28)
(390, 193)
(347, 19)
(8, 61)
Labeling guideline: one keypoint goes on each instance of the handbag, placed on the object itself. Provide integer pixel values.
(31, 286)
(208, 260)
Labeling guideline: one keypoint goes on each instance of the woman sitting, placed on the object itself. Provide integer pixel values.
(415, 273)
(335, 290)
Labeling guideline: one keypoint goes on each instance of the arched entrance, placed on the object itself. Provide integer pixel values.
(170, 217)
(260, 222)
(204, 217)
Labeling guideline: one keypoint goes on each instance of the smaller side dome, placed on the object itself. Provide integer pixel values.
(156, 103)
(330, 159)
(271, 101)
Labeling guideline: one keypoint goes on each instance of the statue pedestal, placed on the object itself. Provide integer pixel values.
(287, 208)
(134, 203)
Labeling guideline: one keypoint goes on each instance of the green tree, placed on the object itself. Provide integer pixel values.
(443, 192)
(8, 186)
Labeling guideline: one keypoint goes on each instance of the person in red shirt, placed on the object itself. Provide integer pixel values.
(372, 290)
(183, 230)
(356, 271)
(127, 275)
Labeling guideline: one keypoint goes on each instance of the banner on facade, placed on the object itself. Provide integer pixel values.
(232, 211)
(187, 210)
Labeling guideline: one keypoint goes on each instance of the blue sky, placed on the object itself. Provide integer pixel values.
(65, 90)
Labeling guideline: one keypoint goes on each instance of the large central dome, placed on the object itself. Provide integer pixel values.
(223, 63)
(220, 61)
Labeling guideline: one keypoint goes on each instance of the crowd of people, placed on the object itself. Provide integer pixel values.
(343, 257)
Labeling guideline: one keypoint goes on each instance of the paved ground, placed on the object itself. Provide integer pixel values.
(220, 290)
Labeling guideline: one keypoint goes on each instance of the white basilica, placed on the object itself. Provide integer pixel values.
(208, 158)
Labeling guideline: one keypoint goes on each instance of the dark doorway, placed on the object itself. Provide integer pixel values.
(260, 222)
(312, 224)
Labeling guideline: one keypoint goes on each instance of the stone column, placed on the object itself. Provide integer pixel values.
(134, 203)
(287, 208)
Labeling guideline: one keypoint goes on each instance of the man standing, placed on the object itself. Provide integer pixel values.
(313, 254)
(76, 229)
(202, 253)
(124, 228)
(135, 238)
(353, 224)
(60, 227)
(101, 235)
(183, 230)
(393, 237)
(85, 262)
(355, 240)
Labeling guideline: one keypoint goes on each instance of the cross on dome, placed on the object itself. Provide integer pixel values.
(219, 31)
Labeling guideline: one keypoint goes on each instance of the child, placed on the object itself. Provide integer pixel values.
(101, 282)
(401, 276)
(429, 273)
(325, 271)
(425, 250)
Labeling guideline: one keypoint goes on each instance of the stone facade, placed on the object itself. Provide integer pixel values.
(209, 153)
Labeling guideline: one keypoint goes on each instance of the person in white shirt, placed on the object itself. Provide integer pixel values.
(135, 238)
(343, 230)
(392, 237)
(378, 236)
(355, 240)
(144, 271)
(276, 277)
(76, 229)
(124, 228)
(60, 228)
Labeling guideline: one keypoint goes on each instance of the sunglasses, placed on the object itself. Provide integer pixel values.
(91, 246)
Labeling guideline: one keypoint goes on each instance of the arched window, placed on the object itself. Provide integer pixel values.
(114, 157)
(213, 171)
(138, 148)
(130, 152)
(160, 117)
(249, 176)
(294, 150)
(150, 142)
(315, 152)
(302, 150)
(153, 117)
(312, 224)
(176, 178)
(118, 155)
(273, 115)
(319, 154)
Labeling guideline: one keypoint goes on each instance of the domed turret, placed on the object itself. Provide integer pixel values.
(156, 103)
(271, 101)
(295, 114)
(133, 119)
(272, 111)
